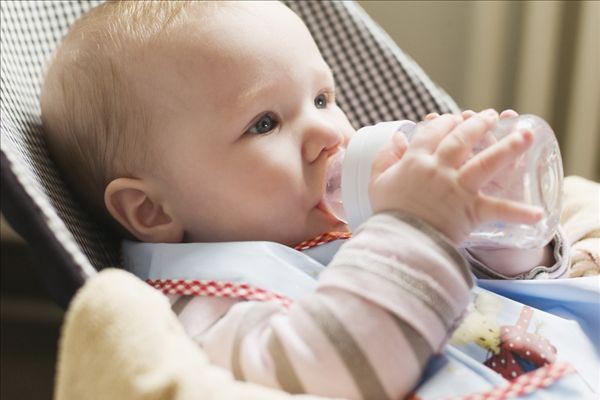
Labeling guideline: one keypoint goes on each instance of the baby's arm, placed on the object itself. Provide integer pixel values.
(386, 303)
(513, 262)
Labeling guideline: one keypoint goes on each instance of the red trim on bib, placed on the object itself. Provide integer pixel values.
(230, 290)
(235, 290)
(322, 239)
(525, 384)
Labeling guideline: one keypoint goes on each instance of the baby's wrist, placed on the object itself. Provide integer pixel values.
(512, 262)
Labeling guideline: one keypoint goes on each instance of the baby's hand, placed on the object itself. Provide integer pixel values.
(488, 139)
(508, 113)
(432, 181)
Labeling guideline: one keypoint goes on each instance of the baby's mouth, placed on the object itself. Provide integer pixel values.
(322, 206)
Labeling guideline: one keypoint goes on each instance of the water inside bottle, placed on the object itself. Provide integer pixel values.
(534, 178)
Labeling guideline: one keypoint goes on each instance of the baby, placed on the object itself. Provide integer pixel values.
(203, 130)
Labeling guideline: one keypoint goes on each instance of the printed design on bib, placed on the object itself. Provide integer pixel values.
(322, 239)
(521, 351)
(206, 288)
(525, 384)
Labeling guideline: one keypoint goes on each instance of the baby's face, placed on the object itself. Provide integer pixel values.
(247, 122)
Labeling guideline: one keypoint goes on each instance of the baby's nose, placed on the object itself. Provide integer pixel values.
(321, 138)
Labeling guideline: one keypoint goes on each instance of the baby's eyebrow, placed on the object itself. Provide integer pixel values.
(326, 74)
(319, 73)
(255, 91)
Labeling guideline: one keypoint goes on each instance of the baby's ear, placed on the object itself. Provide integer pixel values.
(139, 210)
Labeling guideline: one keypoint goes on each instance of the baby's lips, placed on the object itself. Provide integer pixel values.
(330, 212)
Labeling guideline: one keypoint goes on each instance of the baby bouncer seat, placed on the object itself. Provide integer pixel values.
(376, 82)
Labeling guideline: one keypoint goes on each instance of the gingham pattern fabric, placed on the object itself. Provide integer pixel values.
(230, 290)
(376, 82)
(29, 32)
(322, 239)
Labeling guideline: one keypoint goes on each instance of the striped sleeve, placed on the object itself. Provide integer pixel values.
(387, 302)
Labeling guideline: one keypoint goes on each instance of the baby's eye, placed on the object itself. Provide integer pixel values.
(265, 124)
(321, 101)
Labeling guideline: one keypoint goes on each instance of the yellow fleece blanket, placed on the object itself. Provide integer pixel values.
(139, 351)
(580, 219)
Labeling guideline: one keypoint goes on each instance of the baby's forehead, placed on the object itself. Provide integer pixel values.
(217, 58)
(238, 24)
(246, 33)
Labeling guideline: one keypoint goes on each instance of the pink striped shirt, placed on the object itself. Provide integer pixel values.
(387, 301)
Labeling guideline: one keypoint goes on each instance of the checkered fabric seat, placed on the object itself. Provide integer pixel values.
(375, 79)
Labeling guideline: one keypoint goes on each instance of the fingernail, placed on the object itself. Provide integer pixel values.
(527, 135)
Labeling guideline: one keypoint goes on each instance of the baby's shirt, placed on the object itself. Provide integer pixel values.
(560, 253)
(364, 327)
(398, 284)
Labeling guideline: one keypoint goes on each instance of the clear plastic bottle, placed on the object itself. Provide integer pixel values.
(534, 178)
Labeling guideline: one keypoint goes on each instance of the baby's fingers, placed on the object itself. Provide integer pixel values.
(390, 154)
(455, 147)
(428, 134)
(466, 114)
(431, 116)
(508, 113)
(493, 208)
(481, 168)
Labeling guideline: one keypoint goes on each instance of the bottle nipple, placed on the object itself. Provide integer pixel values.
(333, 185)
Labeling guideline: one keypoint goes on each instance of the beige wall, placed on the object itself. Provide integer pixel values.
(537, 57)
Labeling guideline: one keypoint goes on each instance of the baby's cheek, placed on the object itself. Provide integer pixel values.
(346, 128)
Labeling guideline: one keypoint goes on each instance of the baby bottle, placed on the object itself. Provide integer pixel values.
(534, 178)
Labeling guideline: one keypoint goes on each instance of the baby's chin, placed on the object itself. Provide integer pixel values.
(328, 227)
(317, 223)
(333, 224)
(341, 226)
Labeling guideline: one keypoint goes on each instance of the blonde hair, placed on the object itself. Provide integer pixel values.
(93, 119)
